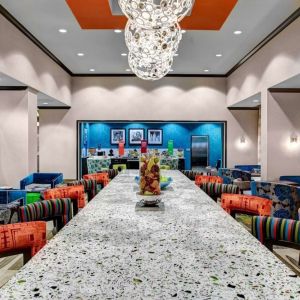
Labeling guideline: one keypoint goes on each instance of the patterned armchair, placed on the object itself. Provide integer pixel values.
(75, 193)
(90, 187)
(190, 174)
(293, 178)
(26, 238)
(60, 211)
(285, 198)
(215, 190)
(171, 162)
(112, 173)
(205, 179)
(237, 177)
(246, 205)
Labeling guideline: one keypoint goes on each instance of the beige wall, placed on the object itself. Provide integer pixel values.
(282, 121)
(22, 60)
(127, 98)
(278, 61)
(18, 133)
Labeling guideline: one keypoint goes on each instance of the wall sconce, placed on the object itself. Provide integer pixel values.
(294, 138)
(243, 140)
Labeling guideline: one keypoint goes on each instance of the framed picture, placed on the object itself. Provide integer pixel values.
(136, 135)
(117, 135)
(155, 136)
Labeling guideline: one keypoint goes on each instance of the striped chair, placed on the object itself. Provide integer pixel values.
(90, 187)
(25, 238)
(190, 174)
(75, 193)
(205, 179)
(112, 173)
(215, 190)
(244, 204)
(101, 178)
(60, 211)
(276, 231)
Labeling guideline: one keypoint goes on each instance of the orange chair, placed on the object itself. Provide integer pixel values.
(199, 179)
(101, 178)
(75, 193)
(26, 238)
(251, 205)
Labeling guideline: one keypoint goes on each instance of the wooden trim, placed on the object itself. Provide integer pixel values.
(284, 90)
(54, 107)
(31, 37)
(266, 40)
(13, 88)
(244, 108)
(133, 75)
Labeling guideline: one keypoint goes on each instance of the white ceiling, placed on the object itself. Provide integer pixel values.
(43, 100)
(103, 48)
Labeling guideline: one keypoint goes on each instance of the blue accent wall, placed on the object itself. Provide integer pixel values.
(180, 133)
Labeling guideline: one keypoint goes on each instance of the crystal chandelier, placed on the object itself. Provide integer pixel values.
(153, 34)
(162, 43)
(153, 14)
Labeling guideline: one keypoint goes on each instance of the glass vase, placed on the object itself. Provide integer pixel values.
(149, 174)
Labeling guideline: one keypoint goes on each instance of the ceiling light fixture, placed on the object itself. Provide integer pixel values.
(183, 31)
(118, 31)
(219, 55)
(92, 70)
(80, 54)
(45, 103)
(124, 54)
(206, 70)
(128, 70)
(153, 34)
(256, 101)
(62, 30)
(237, 32)
(176, 54)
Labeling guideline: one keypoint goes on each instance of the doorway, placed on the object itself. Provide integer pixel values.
(199, 151)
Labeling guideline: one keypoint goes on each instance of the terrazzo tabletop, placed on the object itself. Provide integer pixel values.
(191, 250)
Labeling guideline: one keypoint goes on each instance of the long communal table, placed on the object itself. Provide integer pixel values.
(191, 250)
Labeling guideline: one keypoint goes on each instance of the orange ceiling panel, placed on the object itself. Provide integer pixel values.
(206, 14)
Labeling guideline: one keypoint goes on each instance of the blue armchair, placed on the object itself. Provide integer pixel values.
(285, 198)
(51, 179)
(293, 178)
(248, 168)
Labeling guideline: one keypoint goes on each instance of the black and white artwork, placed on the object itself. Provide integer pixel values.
(117, 135)
(136, 135)
(155, 136)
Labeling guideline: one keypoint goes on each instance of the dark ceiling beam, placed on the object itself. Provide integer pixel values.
(284, 90)
(244, 108)
(13, 88)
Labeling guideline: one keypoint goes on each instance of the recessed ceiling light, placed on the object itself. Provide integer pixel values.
(62, 30)
(219, 55)
(80, 54)
(124, 54)
(128, 70)
(256, 101)
(237, 32)
(118, 30)
(183, 31)
(45, 103)
(176, 54)
(171, 70)
(92, 70)
(206, 70)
